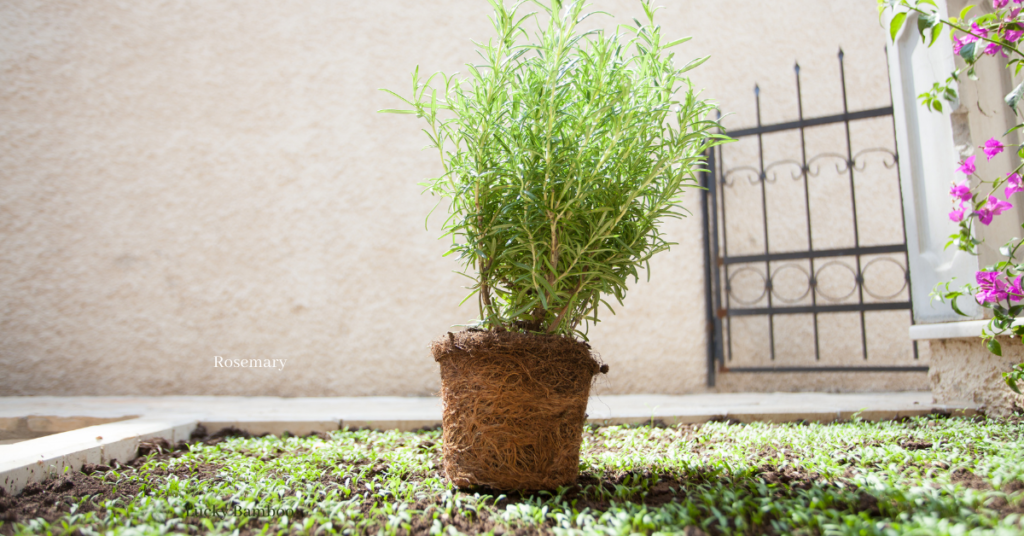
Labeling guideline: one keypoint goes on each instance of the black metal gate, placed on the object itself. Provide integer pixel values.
(747, 267)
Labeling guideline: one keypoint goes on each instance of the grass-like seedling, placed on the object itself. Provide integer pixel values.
(563, 152)
(926, 475)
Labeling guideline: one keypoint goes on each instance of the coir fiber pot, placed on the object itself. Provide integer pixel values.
(514, 407)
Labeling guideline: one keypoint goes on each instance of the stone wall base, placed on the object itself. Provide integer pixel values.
(963, 370)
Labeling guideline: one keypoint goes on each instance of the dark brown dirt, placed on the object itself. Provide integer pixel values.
(867, 503)
(1002, 504)
(969, 480)
(52, 499)
(91, 468)
(794, 478)
(199, 433)
(158, 445)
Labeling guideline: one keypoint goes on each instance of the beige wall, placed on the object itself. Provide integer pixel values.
(963, 371)
(180, 180)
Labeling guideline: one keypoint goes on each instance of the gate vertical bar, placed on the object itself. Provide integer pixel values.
(716, 255)
(725, 247)
(764, 214)
(807, 200)
(707, 181)
(853, 202)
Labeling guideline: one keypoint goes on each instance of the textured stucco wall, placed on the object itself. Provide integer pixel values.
(186, 179)
(963, 370)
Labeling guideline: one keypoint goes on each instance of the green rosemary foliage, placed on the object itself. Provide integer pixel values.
(562, 156)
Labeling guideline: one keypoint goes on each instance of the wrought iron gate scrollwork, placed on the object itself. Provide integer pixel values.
(858, 266)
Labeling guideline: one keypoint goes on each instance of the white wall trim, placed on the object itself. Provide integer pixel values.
(951, 330)
(927, 164)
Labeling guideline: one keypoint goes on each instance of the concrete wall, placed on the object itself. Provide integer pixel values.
(963, 370)
(181, 180)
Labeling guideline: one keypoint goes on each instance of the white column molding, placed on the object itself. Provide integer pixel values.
(928, 162)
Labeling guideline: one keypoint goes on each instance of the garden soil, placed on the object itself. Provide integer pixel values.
(52, 499)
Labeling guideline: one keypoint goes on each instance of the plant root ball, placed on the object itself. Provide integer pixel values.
(514, 408)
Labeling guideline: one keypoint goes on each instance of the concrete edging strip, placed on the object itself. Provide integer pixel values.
(950, 330)
(36, 459)
(276, 428)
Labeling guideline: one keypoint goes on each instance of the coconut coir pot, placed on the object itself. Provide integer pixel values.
(514, 408)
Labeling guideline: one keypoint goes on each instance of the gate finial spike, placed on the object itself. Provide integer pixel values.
(757, 90)
(796, 66)
(840, 53)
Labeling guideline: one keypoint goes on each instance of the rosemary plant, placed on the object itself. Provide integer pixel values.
(562, 155)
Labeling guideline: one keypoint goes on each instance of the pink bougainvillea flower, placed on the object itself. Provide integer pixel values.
(959, 42)
(998, 207)
(961, 191)
(986, 279)
(991, 289)
(992, 49)
(1014, 184)
(957, 215)
(1016, 292)
(1013, 35)
(967, 166)
(972, 35)
(992, 208)
(999, 4)
(992, 147)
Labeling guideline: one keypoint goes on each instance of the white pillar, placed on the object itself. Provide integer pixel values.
(928, 160)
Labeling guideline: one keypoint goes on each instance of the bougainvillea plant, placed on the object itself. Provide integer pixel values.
(562, 155)
(999, 287)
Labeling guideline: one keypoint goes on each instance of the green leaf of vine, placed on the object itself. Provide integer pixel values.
(1014, 97)
(896, 24)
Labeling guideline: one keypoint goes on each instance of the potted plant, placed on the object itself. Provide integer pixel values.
(562, 155)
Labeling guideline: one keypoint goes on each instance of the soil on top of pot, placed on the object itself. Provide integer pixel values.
(567, 365)
(514, 407)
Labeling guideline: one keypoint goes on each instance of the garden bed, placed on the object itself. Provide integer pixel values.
(933, 473)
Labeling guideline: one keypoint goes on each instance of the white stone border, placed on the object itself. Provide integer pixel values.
(35, 460)
(950, 330)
